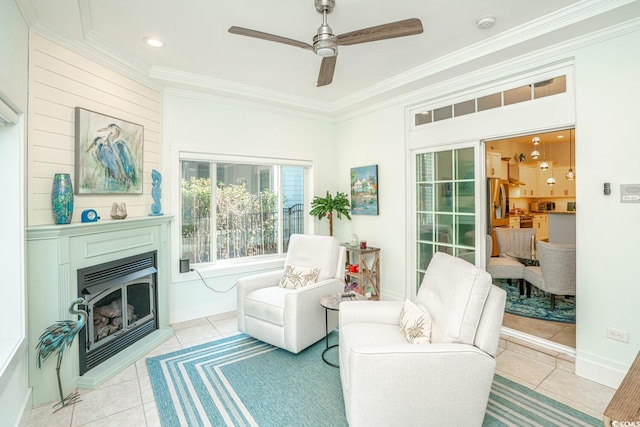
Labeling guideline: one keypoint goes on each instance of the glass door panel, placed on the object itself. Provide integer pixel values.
(445, 201)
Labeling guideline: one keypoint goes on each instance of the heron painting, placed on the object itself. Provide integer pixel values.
(54, 340)
(108, 154)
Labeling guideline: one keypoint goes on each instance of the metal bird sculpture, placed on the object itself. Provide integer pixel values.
(55, 338)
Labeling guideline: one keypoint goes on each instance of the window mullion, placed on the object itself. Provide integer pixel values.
(213, 215)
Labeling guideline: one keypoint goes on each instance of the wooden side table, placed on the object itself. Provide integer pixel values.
(624, 408)
(368, 261)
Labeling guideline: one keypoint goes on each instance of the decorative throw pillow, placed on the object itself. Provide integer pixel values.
(415, 324)
(298, 277)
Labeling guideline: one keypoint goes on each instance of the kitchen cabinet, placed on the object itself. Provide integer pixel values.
(494, 164)
(514, 222)
(504, 170)
(541, 224)
(527, 175)
(563, 187)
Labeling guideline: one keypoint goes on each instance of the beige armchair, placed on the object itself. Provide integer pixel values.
(444, 382)
(557, 271)
(292, 318)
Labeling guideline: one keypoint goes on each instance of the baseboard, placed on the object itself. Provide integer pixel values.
(176, 316)
(27, 404)
(603, 371)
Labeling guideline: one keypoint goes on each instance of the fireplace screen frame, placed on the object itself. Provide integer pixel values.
(99, 282)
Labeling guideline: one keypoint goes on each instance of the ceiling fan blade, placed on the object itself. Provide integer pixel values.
(327, 67)
(269, 37)
(407, 27)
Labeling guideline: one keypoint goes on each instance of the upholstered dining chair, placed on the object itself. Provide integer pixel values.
(433, 359)
(283, 307)
(504, 266)
(556, 274)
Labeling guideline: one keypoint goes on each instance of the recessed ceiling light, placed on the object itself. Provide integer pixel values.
(560, 136)
(485, 22)
(152, 41)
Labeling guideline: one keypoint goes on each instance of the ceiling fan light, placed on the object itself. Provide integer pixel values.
(325, 51)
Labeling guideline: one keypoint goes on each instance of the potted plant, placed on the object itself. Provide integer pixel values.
(325, 206)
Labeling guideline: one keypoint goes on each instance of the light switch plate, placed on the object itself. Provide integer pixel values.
(629, 193)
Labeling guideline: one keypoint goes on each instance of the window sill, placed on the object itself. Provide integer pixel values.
(231, 269)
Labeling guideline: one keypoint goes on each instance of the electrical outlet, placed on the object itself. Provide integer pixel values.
(617, 334)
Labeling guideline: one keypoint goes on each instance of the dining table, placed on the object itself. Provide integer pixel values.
(528, 258)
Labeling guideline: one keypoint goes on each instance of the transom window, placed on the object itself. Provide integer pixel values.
(239, 210)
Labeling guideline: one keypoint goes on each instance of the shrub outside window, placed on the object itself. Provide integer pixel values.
(239, 211)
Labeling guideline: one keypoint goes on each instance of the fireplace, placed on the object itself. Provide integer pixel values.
(121, 297)
(132, 249)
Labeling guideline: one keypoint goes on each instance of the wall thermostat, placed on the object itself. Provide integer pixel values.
(629, 193)
(89, 215)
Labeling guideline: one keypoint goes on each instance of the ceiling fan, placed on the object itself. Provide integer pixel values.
(325, 43)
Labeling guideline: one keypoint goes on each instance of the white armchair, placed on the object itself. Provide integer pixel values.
(388, 381)
(293, 319)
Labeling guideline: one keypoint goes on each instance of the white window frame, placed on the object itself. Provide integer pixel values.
(238, 265)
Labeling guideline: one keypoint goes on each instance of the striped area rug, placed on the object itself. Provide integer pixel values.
(240, 381)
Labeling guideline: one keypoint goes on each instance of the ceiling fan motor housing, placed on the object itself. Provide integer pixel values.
(322, 5)
(325, 43)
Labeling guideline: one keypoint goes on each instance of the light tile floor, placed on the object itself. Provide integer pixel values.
(127, 399)
(561, 333)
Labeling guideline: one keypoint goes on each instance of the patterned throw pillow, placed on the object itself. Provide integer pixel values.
(298, 277)
(415, 324)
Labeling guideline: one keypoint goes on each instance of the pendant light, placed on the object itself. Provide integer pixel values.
(570, 175)
(535, 153)
(544, 165)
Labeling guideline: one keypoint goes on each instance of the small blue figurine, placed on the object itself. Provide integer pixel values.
(156, 193)
(55, 338)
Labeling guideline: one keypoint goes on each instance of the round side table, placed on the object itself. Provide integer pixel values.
(332, 302)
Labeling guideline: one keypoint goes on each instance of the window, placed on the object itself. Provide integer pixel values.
(237, 209)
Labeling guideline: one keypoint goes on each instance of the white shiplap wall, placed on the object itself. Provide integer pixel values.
(59, 81)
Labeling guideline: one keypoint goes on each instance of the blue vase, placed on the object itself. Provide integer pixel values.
(62, 198)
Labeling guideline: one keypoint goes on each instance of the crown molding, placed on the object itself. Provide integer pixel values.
(92, 48)
(26, 8)
(562, 18)
(240, 91)
(248, 102)
(388, 92)
(559, 55)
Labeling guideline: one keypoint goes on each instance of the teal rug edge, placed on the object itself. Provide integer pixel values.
(538, 306)
(504, 397)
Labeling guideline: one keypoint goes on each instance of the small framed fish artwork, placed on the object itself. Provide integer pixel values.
(108, 155)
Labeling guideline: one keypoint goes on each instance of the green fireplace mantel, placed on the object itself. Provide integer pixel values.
(54, 254)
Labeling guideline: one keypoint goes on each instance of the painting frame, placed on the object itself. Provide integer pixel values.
(108, 154)
(364, 190)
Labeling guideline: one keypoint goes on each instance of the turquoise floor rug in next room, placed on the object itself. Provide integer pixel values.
(240, 381)
(539, 305)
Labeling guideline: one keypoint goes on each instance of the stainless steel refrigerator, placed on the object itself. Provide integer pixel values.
(498, 207)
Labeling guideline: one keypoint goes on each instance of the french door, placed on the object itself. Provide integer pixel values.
(444, 187)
